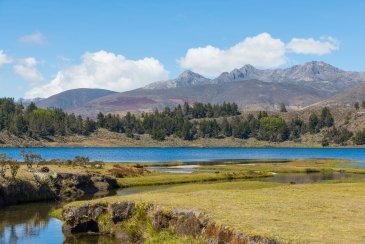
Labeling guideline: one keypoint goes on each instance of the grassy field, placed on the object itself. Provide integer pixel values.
(311, 213)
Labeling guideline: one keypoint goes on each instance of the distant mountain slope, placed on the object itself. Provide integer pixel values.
(73, 98)
(249, 94)
(346, 98)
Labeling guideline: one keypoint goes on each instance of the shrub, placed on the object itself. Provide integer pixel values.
(3, 166)
(121, 171)
(359, 138)
(80, 161)
(14, 167)
(31, 158)
(338, 136)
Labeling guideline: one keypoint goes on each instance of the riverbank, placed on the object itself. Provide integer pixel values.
(104, 138)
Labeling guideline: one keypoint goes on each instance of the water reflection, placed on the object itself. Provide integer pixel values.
(29, 223)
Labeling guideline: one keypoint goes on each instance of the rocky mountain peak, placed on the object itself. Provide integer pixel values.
(189, 75)
(185, 79)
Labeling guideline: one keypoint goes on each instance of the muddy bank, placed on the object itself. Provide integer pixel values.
(64, 186)
(129, 222)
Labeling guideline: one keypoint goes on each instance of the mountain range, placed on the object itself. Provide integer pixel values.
(252, 89)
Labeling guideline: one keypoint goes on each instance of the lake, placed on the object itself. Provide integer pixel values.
(139, 154)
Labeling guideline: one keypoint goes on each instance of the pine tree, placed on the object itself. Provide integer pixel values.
(226, 128)
(283, 108)
(326, 119)
(313, 123)
(357, 105)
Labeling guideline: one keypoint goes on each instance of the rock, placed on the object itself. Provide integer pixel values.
(120, 211)
(22, 191)
(82, 219)
(77, 185)
(161, 220)
(189, 222)
(53, 186)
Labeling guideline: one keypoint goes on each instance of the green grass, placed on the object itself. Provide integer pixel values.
(312, 213)
(170, 178)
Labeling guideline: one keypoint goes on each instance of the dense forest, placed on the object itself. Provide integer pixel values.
(187, 122)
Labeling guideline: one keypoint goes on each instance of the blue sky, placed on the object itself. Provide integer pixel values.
(50, 46)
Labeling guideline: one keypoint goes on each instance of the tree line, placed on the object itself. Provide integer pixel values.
(187, 122)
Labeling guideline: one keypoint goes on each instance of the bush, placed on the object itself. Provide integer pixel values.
(3, 166)
(121, 171)
(14, 167)
(31, 158)
(359, 138)
(80, 161)
(338, 136)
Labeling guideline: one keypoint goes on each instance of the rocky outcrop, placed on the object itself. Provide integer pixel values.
(22, 191)
(73, 186)
(64, 186)
(113, 218)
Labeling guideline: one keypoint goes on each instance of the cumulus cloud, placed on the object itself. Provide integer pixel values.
(261, 51)
(322, 46)
(36, 38)
(27, 69)
(4, 59)
(103, 70)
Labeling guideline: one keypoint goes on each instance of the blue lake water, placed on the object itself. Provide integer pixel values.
(190, 154)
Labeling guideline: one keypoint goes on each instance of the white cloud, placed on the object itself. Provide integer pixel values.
(27, 69)
(4, 59)
(103, 70)
(261, 51)
(36, 38)
(322, 46)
